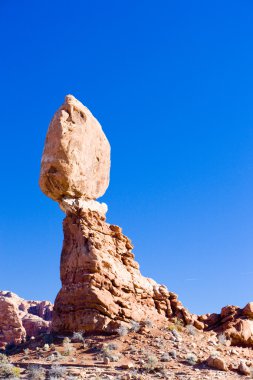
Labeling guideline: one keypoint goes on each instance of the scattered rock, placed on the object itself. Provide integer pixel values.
(217, 362)
(243, 368)
(127, 365)
(106, 360)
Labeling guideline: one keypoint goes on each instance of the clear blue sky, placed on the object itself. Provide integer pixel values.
(171, 82)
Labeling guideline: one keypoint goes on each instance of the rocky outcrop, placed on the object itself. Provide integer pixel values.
(102, 286)
(76, 158)
(20, 319)
(235, 323)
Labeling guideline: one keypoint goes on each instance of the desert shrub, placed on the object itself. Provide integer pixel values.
(135, 326)
(173, 354)
(35, 372)
(151, 363)
(57, 371)
(112, 346)
(106, 353)
(46, 347)
(148, 323)
(8, 371)
(4, 359)
(51, 358)
(68, 349)
(114, 357)
(122, 330)
(222, 339)
(54, 357)
(159, 342)
(191, 358)
(78, 336)
(176, 335)
(26, 354)
(191, 330)
(133, 349)
(165, 357)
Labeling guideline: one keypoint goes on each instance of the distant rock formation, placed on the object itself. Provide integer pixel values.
(20, 319)
(102, 286)
(235, 323)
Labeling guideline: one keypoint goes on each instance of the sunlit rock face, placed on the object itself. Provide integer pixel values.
(76, 157)
(20, 319)
(234, 323)
(102, 286)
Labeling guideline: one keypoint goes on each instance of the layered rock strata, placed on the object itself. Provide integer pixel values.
(102, 286)
(20, 319)
(101, 283)
(235, 323)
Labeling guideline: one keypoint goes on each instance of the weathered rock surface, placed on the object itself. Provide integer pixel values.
(217, 362)
(102, 286)
(76, 157)
(235, 323)
(101, 283)
(20, 319)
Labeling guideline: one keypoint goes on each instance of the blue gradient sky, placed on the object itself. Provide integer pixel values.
(171, 82)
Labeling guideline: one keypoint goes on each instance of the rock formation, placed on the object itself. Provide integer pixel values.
(20, 319)
(235, 323)
(102, 286)
(101, 283)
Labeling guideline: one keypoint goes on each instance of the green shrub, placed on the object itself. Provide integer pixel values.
(8, 370)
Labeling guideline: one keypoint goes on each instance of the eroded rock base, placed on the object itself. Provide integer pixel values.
(102, 286)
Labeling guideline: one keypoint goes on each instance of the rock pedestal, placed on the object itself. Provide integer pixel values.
(101, 282)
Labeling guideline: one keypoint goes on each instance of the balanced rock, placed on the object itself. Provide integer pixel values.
(102, 286)
(76, 158)
(20, 319)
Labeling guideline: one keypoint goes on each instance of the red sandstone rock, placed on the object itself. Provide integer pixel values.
(102, 286)
(76, 158)
(248, 310)
(11, 328)
(216, 362)
(20, 319)
(235, 323)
